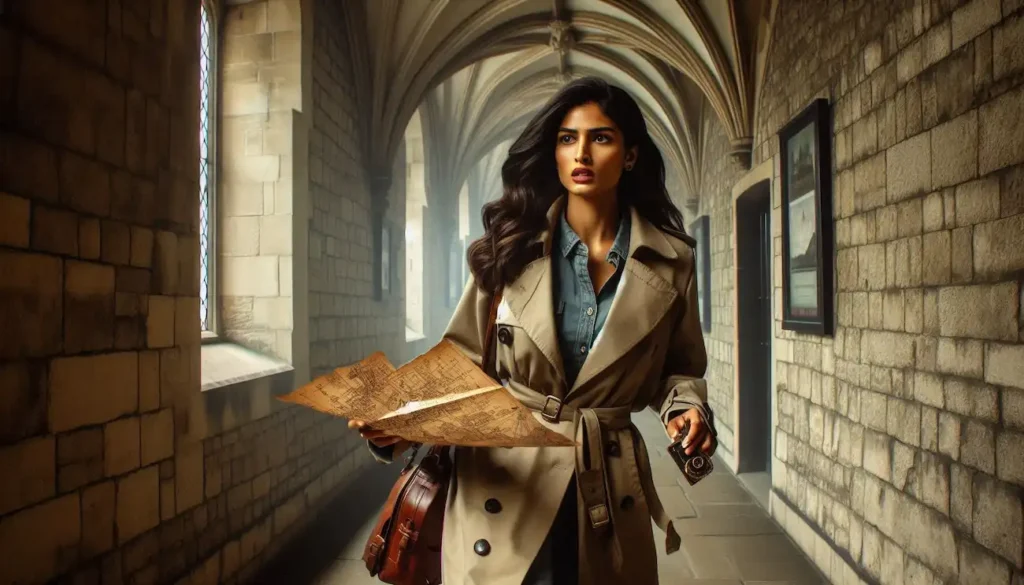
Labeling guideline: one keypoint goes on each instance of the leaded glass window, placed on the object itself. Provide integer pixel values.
(206, 164)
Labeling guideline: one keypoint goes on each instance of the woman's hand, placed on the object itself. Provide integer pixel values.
(379, 438)
(699, 433)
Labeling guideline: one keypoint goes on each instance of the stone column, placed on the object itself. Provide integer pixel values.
(379, 185)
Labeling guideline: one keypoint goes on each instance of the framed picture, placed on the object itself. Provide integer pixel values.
(807, 228)
(701, 231)
(385, 258)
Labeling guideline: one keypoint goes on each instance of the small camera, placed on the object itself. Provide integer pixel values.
(694, 467)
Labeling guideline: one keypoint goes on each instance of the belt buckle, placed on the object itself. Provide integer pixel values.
(546, 414)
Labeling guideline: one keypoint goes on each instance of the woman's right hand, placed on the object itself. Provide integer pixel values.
(379, 438)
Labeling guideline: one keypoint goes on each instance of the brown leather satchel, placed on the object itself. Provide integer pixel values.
(405, 546)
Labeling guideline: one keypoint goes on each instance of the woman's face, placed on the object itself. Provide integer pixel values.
(590, 153)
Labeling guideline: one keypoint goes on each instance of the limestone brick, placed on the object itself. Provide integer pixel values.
(949, 435)
(962, 260)
(977, 201)
(932, 212)
(241, 236)
(121, 446)
(149, 381)
(188, 475)
(45, 555)
(997, 518)
(928, 389)
(979, 311)
(77, 382)
(972, 19)
(936, 267)
(1007, 54)
(138, 503)
(33, 462)
(98, 507)
(79, 458)
(250, 276)
(961, 498)
(157, 436)
(30, 304)
(997, 249)
(160, 323)
(89, 238)
(275, 235)
(165, 263)
(908, 168)
(929, 429)
(23, 401)
(1009, 463)
(977, 448)
(142, 247)
(167, 504)
(186, 325)
(89, 306)
(1001, 132)
(1013, 408)
(977, 565)
(954, 150)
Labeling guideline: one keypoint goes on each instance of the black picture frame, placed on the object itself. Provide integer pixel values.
(700, 229)
(805, 150)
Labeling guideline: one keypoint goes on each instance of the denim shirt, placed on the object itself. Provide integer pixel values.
(579, 312)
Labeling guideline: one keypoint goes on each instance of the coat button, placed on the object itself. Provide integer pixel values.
(492, 505)
(482, 547)
(612, 448)
(627, 502)
(505, 335)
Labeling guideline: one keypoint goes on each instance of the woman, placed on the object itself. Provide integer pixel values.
(589, 255)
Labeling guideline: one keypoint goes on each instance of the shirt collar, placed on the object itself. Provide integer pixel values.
(620, 247)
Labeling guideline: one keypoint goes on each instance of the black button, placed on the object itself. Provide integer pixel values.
(482, 547)
(627, 502)
(612, 448)
(493, 506)
(505, 335)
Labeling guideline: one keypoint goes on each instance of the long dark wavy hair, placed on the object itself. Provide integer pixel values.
(531, 184)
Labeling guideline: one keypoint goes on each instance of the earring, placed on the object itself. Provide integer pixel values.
(629, 166)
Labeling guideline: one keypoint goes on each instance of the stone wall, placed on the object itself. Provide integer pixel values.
(105, 479)
(899, 439)
(346, 323)
(718, 174)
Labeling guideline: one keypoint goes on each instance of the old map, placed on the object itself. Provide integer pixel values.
(440, 398)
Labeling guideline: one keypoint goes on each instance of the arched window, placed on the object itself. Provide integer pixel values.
(207, 95)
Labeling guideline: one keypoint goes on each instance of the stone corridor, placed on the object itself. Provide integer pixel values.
(205, 204)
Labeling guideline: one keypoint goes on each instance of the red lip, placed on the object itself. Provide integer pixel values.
(582, 172)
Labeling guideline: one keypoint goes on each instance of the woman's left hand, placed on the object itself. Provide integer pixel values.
(698, 435)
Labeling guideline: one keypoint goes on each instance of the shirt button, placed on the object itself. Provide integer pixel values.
(590, 310)
(583, 349)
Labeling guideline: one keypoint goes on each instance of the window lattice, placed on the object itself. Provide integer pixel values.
(205, 162)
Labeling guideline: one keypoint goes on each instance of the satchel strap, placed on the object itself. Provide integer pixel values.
(489, 358)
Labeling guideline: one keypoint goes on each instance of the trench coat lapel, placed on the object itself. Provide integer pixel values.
(642, 299)
(531, 299)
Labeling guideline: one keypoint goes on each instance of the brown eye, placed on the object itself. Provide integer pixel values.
(565, 138)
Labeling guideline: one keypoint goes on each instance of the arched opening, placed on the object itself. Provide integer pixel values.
(415, 203)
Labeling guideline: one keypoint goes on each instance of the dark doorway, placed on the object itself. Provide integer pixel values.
(754, 288)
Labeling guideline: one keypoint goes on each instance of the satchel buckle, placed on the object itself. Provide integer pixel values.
(547, 413)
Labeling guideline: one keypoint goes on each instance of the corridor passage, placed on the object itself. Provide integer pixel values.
(728, 537)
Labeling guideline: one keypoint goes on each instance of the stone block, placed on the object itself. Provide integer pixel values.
(160, 322)
(865, 137)
(250, 276)
(1001, 132)
(932, 212)
(961, 500)
(955, 151)
(949, 435)
(929, 429)
(997, 518)
(928, 389)
(997, 249)
(30, 467)
(23, 400)
(92, 389)
(167, 509)
(55, 230)
(29, 168)
(1007, 52)
(98, 507)
(241, 236)
(978, 565)
(1009, 463)
(157, 436)
(979, 311)
(962, 255)
(908, 168)
(149, 381)
(79, 458)
(188, 475)
(165, 263)
(276, 235)
(977, 447)
(175, 365)
(89, 306)
(977, 201)
(89, 238)
(972, 19)
(873, 410)
(116, 242)
(1013, 408)
(910, 62)
(904, 421)
(960, 357)
(121, 446)
(138, 503)
(186, 325)
(936, 265)
(871, 267)
(84, 185)
(14, 221)
(45, 554)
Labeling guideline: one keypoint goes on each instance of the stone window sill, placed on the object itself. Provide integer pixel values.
(413, 336)
(228, 364)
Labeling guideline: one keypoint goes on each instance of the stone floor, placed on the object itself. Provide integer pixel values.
(728, 538)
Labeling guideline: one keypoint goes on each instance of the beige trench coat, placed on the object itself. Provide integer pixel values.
(650, 353)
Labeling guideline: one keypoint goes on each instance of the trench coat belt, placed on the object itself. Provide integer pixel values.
(591, 476)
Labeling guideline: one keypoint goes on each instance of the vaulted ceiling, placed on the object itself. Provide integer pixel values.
(480, 69)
